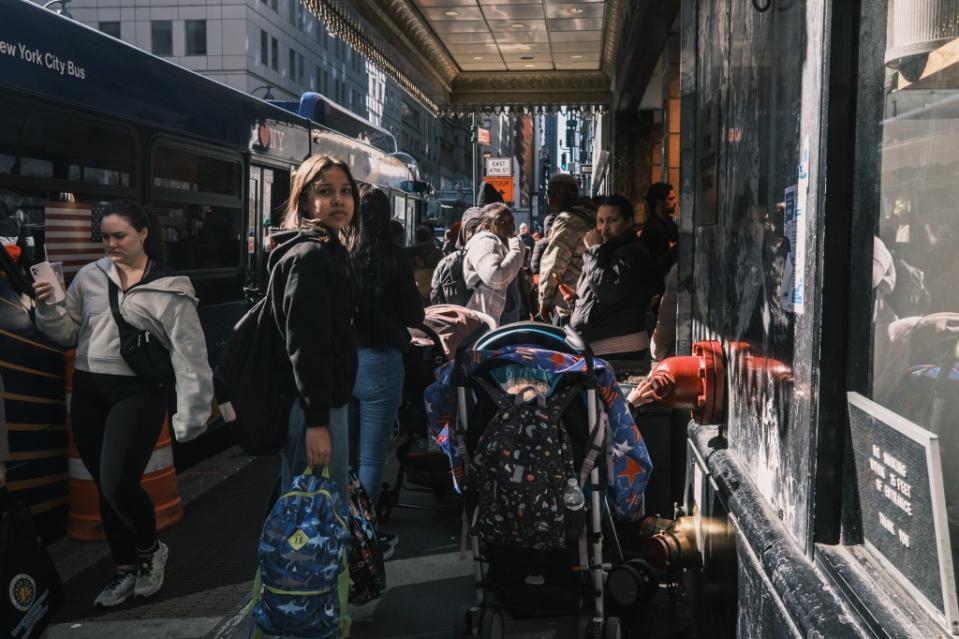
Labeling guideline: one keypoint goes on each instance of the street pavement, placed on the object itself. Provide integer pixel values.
(213, 557)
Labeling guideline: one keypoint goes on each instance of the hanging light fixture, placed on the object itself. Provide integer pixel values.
(915, 29)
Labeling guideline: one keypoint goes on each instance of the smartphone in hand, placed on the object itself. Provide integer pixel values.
(46, 272)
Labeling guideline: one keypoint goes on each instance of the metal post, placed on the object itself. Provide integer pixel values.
(475, 140)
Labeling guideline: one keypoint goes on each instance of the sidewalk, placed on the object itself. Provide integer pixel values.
(212, 559)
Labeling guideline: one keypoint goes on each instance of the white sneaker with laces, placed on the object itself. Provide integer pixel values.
(388, 543)
(117, 591)
(150, 571)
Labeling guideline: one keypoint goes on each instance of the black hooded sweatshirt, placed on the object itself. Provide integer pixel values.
(313, 302)
(618, 281)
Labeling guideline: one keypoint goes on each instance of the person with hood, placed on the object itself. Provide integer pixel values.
(448, 285)
(388, 304)
(117, 415)
(312, 295)
(424, 256)
(618, 281)
(494, 257)
(562, 259)
(489, 195)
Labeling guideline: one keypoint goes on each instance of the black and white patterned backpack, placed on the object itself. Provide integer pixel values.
(519, 469)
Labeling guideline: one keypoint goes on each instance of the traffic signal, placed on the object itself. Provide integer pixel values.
(562, 162)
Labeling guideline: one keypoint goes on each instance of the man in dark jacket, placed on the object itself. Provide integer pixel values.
(660, 234)
(617, 284)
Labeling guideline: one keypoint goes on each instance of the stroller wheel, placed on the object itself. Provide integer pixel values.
(464, 627)
(612, 629)
(492, 625)
(631, 582)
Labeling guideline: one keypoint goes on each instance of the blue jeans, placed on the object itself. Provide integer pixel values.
(377, 395)
(293, 462)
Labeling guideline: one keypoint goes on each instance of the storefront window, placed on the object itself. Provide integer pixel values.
(915, 267)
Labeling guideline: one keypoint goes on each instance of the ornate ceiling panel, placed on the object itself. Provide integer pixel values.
(460, 55)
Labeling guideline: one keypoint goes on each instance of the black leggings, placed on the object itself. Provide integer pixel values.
(116, 422)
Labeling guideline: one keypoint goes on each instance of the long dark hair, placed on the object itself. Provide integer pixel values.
(140, 218)
(373, 255)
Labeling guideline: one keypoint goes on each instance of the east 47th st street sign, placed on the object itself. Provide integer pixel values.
(499, 167)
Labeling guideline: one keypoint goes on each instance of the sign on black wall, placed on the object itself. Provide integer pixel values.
(899, 475)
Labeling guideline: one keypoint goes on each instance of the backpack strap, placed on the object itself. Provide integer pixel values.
(123, 325)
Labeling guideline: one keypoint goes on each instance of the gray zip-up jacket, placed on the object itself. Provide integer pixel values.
(165, 306)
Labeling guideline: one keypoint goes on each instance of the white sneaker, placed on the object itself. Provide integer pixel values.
(150, 571)
(117, 591)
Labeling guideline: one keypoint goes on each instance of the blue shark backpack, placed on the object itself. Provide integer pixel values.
(303, 579)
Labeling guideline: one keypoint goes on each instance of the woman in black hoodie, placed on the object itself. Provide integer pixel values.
(388, 302)
(312, 297)
(618, 281)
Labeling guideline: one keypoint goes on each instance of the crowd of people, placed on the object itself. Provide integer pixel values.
(592, 268)
(345, 291)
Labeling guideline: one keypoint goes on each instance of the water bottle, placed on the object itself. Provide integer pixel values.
(573, 496)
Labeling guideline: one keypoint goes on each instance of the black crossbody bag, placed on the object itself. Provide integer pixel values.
(141, 350)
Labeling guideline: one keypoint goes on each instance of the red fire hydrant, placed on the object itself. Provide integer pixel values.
(694, 382)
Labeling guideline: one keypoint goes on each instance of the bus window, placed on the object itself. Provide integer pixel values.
(42, 143)
(198, 199)
(186, 171)
(57, 172)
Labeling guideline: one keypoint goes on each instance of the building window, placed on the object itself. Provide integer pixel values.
(299, 68)
(161, 37)
(291, 67)
(325, 87)
(111, 29)
(273, 5)
(275, 50)
(910, 201)
(196, 37)
(264, 48)
(292, 6)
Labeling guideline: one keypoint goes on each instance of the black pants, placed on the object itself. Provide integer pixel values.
(116, 422)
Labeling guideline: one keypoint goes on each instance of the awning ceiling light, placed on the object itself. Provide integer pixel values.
(458, 56)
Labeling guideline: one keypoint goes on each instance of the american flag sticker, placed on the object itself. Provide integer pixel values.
(72, 235)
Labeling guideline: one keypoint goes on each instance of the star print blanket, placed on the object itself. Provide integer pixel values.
(630, 460)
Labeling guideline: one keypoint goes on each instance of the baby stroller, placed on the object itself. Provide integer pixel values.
(530, 436)
(422, 463)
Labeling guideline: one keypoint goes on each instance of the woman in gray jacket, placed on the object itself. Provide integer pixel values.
(117, 415)
(493, 260)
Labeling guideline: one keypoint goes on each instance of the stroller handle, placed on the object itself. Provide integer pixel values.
(538, 334)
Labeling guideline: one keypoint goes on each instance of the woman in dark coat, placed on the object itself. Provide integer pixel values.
(618, 281)
(388, 304)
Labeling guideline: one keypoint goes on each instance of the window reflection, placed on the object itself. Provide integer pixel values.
(916, 254)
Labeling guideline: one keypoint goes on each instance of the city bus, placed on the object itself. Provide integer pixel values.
(88, 119)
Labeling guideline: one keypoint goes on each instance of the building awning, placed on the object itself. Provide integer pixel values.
(484, 56)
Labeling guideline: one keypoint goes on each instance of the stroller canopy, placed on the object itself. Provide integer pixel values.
(631, 464)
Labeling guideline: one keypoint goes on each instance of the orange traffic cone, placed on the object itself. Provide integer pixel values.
(159, 480)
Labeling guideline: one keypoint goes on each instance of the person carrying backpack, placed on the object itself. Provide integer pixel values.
(313, 303)
(493, 260)
(118, 411)
(449, 284)
(388, 302)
